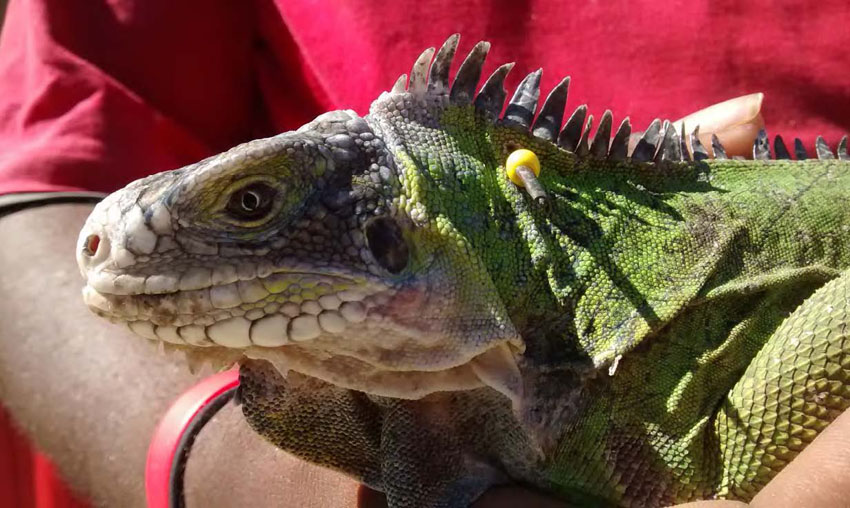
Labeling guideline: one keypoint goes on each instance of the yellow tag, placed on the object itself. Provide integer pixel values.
(521, 157)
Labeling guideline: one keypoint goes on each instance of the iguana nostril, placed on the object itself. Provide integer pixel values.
(91, 245)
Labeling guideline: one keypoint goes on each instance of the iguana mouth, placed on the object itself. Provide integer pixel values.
(340, 329)
(274, 310)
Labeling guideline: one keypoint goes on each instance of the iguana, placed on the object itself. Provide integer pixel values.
(657, 326)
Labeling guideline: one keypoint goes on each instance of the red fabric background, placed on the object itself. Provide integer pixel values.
(94, 94)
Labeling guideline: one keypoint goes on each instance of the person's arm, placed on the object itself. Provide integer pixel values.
(89, 393)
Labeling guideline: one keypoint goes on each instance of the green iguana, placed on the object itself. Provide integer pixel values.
(657, 327)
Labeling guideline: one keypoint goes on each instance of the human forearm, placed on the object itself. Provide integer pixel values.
(90, 395)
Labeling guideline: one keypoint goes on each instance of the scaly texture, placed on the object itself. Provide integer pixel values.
(659, 327)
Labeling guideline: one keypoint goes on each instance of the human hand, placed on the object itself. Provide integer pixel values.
(817, 477)
(736, 122)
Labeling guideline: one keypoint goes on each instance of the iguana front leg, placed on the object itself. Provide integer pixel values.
(442, 451)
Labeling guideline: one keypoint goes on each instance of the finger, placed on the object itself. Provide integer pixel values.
(510, 497)
(736, 123)
(713, 504)
(818, 476)
(368, 498)
(497, 497)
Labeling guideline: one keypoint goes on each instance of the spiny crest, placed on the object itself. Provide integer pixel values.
(660, 142)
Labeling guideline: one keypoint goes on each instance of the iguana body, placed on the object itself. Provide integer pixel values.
(659, 330)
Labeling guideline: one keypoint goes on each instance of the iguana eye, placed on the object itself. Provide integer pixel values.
(252, 202)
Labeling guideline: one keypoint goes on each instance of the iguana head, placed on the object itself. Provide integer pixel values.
(323, 250)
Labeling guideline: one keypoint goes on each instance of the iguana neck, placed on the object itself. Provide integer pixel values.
(470, 193)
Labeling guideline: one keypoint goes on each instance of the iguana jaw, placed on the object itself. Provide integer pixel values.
(496, 368)
(353, 329)
(356, 338)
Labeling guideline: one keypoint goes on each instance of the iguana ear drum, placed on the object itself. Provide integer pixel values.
(386, 241)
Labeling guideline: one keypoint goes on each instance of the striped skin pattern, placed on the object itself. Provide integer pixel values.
(662, 327)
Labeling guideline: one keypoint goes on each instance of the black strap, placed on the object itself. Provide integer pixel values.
(176, 498)
(14, 202)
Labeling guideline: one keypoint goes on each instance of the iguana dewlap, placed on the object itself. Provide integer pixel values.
(664, 327)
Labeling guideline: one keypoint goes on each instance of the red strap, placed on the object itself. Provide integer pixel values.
(170, 431)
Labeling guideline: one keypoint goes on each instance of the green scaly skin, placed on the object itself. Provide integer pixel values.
(655, 333)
